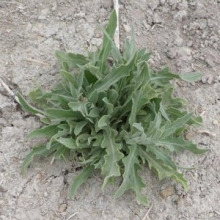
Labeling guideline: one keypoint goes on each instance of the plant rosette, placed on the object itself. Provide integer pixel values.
(111, 112)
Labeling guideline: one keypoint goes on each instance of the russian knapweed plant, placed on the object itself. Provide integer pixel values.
(111, 112)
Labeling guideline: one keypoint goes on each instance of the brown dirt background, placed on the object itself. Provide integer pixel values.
(182, 34)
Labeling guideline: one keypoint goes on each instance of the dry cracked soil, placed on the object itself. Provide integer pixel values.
(182, 34)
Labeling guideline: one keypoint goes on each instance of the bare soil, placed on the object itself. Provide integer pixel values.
(182, 34)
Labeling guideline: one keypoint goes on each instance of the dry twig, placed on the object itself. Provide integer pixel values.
(72, 215)
(36, 61)
(8, 2)
(10, 92)
(146, 215)
(116, 38)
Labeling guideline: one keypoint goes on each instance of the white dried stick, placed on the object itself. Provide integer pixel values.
(10, 92)
(116, 38)
(146, 215)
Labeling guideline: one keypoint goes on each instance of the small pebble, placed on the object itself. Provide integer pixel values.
(171, 53)
(210, 62)
(44, 13)
(45, 194)
(215, 122)
(162, 2)
(181, 15)
(107, 4)
(210, 79)
(2, 189)
(126, 27)
(54, 6)
(96, 41)
(204, 79)
(63, 207)
(157, 19)
(169, 191)
(190, 135)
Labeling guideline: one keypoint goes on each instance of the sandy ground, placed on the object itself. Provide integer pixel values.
(182, 34)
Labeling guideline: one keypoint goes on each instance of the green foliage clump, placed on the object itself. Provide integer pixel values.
(111, 112)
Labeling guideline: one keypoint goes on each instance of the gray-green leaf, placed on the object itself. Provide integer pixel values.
(80, 179)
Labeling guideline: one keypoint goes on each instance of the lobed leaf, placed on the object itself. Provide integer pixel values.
(164, 75)
(69, 143)
(62, 114)
(113, 77)
(171, 128)
(107, 41)
(180, 143)
(191, 77)
(103, 121)
(73, 60)
(141, 98)
(164, 170)
(61, 153)
(46, 131)
(79, 126)
(113, 156)
(131, 178)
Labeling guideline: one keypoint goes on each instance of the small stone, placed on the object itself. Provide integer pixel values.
(171, 53)
(80, 14)
(96, 41)
(189, 43)
(154, 4)
(204, 79)
(28, 27)
(146, 25)
(2, 189)
(179, 190)
(183, 5)
(107, 4)
(162, 2)
(172, 3)
(157, 19)
(43, 14)
(178, 41)
(169, 217)
(54, 6)
(215, 122)
(210, 61)
(3, 217)
(169, 191)
(181, 15)
(190, 135)
(126, 27)
(121, 6)
(184, 52)
(63, 207)
(59, 14)
(2, 121)
(210, 79)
